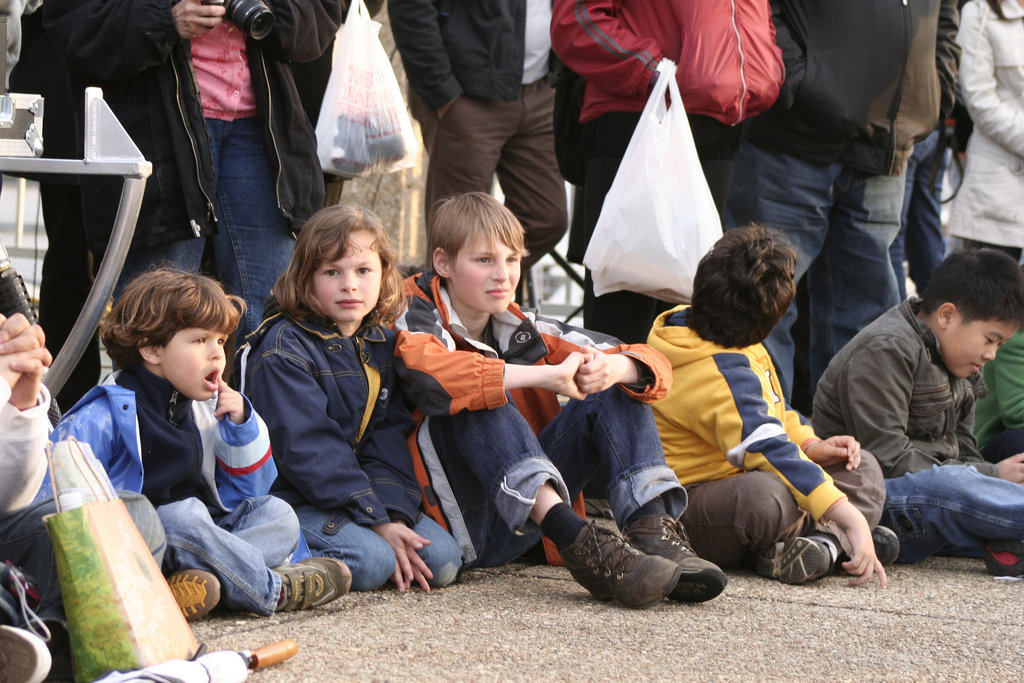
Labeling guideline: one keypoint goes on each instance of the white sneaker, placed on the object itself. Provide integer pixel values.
(23, 656)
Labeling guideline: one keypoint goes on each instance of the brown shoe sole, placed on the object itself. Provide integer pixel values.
(196, 592)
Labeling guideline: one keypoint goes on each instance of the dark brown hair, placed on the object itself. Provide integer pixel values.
(160, 303)
(984, 284)
(326, 236)
(742, 288)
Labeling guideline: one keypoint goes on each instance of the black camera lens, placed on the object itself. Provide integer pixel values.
(252, 16)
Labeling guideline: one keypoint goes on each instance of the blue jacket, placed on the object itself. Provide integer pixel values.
(311, 384)
(236, 461)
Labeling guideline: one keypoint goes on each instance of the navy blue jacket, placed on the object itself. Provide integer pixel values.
(309, 384)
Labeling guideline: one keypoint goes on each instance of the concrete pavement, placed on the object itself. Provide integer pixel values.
(944, 619)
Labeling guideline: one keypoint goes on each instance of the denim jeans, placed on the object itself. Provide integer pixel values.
(25, 542)
(495, 465)
(920, 242)
(841, 222)
(369, 556)
(951, 510)
(238, 548)
(253, 244)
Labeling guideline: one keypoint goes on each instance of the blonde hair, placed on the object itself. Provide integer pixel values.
(160, 303)
(326, 236)
(463, 218)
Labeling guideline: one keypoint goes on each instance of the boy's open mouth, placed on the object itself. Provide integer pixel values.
(211, 380)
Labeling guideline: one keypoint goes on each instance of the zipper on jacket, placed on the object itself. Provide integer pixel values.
(273, 138)
(743, 61)
(211, 211)
(894, 112)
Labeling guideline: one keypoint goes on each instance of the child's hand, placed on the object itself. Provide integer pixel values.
(864, 563)
(835, 450)
(409, 566)
(1012, 469)
(601, 370)
(229, 402)
(557, 378)
(23, 358)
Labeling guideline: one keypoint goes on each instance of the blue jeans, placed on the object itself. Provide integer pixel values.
(495, 465)
(369, 556)
(841, 222)
(25, 542)
(253, 244)
(238, 548)
(920, 242)
(951, 510)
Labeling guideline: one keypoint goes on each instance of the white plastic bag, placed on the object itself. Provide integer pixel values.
(364, 126)
(658, 218)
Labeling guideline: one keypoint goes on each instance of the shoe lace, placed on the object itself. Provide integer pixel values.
(21, 589)
(672, 530)
(611, 553)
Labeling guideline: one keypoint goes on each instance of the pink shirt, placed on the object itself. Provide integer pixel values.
(222, 72)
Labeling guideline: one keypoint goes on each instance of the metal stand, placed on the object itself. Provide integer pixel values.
(108, 151)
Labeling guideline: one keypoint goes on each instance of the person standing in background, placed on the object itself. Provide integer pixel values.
(729, 70)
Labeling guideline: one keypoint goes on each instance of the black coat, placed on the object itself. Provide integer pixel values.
(133, 51)
(864, 80)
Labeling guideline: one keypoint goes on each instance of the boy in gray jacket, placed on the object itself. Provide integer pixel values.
(905, 388)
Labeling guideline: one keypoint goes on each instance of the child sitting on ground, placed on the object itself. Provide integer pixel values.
(761, 485)
(322, 372)
(503, 460)
(999, 416)
(167, 425)
(903, 388)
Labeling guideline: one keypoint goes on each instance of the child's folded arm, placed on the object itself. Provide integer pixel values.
(442, 381)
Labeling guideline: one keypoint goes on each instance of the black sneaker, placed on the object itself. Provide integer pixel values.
(1005, 558)
(312, 582)
(795, 561)
(887, 545)
(196, 592)
(661, 535)
(606, 565)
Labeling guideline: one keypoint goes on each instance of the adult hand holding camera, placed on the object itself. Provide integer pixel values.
(193, 18)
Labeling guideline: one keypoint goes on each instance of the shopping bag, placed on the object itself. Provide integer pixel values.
(120, 611)
(658, 218)
(364, 126)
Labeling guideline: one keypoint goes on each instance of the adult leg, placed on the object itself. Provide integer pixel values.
(952, 510)
(467, 143)
(528, 173)
(253, 244)
(925, 244)
(67, 279)
(733, 520)
(863, 222)
(196, 541)
(184, 255)
(793, 198)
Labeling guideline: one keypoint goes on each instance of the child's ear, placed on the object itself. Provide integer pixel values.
(150, 354)
(442, 265)
(946, 314)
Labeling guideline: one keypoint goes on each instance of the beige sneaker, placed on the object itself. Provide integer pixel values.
(312, 582)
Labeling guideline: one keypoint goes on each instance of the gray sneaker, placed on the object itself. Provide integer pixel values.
(606, 565)
(312, 582)
(797, 560)
(661, 535)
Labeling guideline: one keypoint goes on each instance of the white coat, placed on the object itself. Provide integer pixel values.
(990, 204)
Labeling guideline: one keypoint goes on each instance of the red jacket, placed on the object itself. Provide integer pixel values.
(729, 65)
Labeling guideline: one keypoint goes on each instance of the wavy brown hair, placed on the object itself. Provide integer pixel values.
(160, 303)
(743, 287)
(326, 236)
